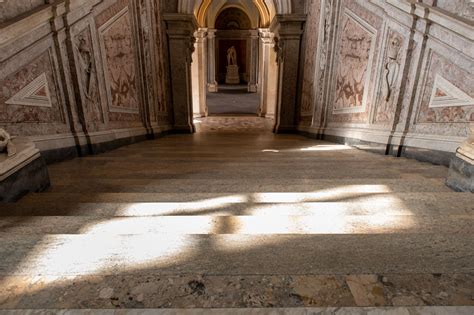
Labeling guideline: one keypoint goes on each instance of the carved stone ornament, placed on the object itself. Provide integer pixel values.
(392, 67)
(6, 145)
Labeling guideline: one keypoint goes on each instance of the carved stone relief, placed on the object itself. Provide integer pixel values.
(119, 63)
(88, 76)
(356, 50)
(391, 72)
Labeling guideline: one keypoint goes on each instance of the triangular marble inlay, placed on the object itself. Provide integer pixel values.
(36, 93)
(446, 94)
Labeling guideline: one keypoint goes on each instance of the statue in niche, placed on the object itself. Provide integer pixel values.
(231, 56)
(392, 68)
(6, 144)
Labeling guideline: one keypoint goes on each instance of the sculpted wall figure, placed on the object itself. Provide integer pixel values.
(392, 67)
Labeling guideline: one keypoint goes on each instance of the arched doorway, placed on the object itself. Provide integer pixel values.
(243, 27)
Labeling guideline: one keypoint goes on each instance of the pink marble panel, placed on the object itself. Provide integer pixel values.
(119, 63)
(459, 77)
(353, 66)
(15, 82)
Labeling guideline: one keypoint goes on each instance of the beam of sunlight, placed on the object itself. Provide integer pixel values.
(337, 193)
(147, 238)
(334, 147)
(161, 208)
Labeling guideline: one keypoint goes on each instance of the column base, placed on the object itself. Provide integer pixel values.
(252, 88)
(212, 87)
(461, 175)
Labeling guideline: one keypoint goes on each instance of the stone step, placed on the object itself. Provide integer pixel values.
(463, 200)
(391, 205)
(277, 254)
(297, 310)
(337, 189)
(245, 225)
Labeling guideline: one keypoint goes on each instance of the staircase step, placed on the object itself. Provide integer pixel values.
(465, 200)
(88, 254)
(247, 225)
(390, 205)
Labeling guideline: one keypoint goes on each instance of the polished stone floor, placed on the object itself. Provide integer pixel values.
(236, 217)
(232, 99)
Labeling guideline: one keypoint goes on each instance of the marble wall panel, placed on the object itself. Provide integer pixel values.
(311, 41)
(354, 70)
(88, 78)
(391, 77)
(457, 79)
(15, 85)
(119, 66)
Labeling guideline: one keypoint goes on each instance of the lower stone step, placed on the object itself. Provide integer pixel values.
(325, 223)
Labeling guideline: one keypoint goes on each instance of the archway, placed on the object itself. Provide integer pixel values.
(243, 25)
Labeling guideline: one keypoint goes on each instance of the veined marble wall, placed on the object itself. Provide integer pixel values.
(396, 72)
(87, 73)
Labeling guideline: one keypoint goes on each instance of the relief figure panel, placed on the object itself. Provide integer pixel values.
(119, 64)
(356, 54)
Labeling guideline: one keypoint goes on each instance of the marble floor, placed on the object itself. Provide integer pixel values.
(232, 99)
(236, 217)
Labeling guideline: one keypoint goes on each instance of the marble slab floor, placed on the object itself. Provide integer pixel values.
(234, 218)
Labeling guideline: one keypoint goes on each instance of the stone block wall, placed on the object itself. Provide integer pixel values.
(395, 75)
(82, 76)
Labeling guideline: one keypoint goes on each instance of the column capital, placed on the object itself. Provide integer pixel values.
(288, 25)
(211, 33)
(179, 25)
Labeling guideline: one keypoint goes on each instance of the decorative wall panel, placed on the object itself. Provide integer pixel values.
(389, 87)
(87, 75)
(30, 94)
(119, 63)
(353, 72)
(447, 92)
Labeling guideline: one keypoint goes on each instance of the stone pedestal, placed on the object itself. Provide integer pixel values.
(23, 172)
(461, 170)
(232, 76)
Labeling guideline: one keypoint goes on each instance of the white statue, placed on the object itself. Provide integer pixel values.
(231, 56)
(6, 145)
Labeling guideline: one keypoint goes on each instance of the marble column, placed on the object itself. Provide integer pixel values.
(211, 61)
(199, 68)
(288, 30)
(253, 77)
(180, 29)
(461, 170)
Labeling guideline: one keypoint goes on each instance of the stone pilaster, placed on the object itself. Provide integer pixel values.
(201, 63)
(253, 78)
(180, 29)
(211, 61)
(288, 30)
(265, 88)
(461, 170)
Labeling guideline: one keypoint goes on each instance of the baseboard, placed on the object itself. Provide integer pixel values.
(425, 152)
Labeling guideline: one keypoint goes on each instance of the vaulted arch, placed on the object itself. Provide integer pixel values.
(267, 9)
